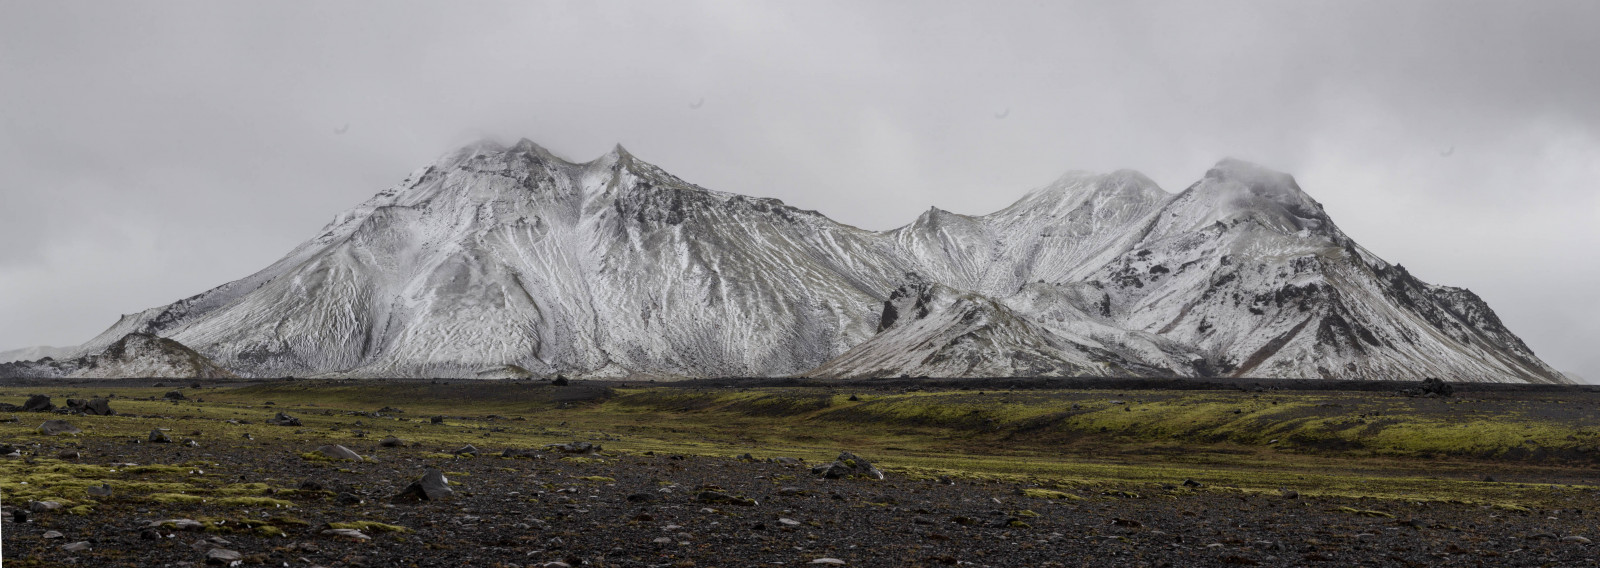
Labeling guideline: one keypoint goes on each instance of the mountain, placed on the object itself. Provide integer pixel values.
(35, 353)
(503, 262)
(134, 355)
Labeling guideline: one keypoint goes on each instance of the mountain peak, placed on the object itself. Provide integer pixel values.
(531, 148)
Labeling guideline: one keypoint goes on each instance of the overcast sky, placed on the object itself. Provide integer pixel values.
(153, 150)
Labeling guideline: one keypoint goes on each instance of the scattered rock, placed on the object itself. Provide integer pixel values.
(80, 546)
(574, 447)
(53, 535)
(1575, 539)
(828, 561)
(309, 485)
(190, 443)
(55, 427)
(391, 442)
(720, 498)
(102, 491)
(1192, 483)
(436, 420)
(19, 515)
(642, 497)
(177, 524)
(338, 452)
(281, 419)
(468, 449)
(174, 395)
(160, 437)
(68, 454)
(432, 487)
(1291, 494)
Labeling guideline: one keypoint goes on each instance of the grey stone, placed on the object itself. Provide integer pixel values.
(432, 487)
(223, 556)
(56, 427)
(338, 452)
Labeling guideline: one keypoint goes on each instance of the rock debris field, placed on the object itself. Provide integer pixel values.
(548, 507)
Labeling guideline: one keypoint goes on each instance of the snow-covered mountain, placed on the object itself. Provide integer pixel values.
(509, 261)
(135, 355)
(35, 353)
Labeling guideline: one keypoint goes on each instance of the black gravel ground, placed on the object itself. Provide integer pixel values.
(552, 509)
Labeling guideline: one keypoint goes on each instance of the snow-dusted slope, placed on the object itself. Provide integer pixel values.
(35, 353)
(498, 257)
(507, 262)
(136, 355)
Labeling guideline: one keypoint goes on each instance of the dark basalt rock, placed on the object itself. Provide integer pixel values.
(848, 465)
(38, 403)
(92, 407)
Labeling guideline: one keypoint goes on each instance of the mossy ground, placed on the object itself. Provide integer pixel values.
(1344, 444)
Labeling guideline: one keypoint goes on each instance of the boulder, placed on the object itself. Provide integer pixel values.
(392, 442)
(223, 557)
(847, 465)
(432, 487)
(338, 452)
(468, 449)
(159, 437)
(98, 407)
(38, 403)
(54, 427)
(174, 395)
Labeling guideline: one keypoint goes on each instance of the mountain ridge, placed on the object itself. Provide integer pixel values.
(510, 257)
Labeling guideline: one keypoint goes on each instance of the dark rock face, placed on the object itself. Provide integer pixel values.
(432, 487)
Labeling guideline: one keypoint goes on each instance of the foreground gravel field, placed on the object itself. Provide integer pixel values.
(552, 508)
